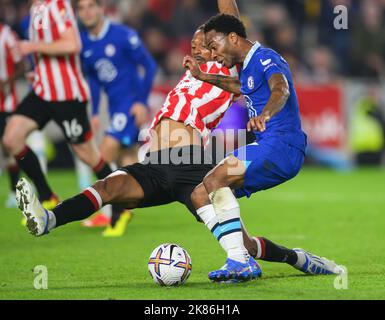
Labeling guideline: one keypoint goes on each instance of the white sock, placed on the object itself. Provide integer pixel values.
(229, 216)
(51, 220)
(210, 219)
(301, 260)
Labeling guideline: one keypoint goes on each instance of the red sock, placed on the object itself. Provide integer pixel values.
(261, 248)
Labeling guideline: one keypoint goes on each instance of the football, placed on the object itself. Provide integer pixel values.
(169, 265)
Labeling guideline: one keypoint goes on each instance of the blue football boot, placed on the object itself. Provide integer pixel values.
(232, 271)
(257, 271)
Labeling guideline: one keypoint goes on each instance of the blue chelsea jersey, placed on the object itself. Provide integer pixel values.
(260, 64)
(117, 62)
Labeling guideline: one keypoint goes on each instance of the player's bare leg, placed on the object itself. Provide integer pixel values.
(14, 176)
(112, 151)
(16, 132)
(89, 153)
(118, 188)
(109, 150)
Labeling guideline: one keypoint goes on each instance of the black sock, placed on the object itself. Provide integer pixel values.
(77, 208)
(117, 210)
(272, 252)
(14, 176)
(103, 170)
(30, 164)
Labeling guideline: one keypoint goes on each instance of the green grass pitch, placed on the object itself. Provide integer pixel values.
(337, 215)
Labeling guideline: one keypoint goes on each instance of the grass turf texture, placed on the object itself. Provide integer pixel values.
(337, 215)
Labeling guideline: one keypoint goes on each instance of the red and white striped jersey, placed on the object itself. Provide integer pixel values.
(56, 78)
(8, 58)
(197, 103)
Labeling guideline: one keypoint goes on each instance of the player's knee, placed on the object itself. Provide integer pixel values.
(105, 193)
(213, 182)
(110, 189)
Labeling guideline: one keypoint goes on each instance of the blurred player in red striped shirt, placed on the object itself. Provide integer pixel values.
(11, 67)
(60, 93)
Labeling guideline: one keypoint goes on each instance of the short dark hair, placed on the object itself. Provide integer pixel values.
(201, 28)
(76, 2)
(226, 24)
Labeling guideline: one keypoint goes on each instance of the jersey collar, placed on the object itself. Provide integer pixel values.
(254, 48)
(102, 33)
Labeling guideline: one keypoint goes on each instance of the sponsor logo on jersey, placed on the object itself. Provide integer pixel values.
(265, 62)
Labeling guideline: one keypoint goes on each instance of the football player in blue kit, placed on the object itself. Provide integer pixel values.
(275, 157)
(114, 59)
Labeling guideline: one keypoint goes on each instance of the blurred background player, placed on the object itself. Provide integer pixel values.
(38, 140)
(114, 59)
(11, 67)
(59, 93)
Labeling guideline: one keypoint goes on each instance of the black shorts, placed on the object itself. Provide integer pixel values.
(3, 121)
(165, 183)
(70, 116)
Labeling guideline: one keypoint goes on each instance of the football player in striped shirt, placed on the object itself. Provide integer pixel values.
(60, 93)
(11, 67)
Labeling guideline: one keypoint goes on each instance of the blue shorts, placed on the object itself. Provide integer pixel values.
(269, 163)
(122, 127)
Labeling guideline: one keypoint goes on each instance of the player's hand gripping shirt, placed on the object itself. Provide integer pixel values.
(196, 103)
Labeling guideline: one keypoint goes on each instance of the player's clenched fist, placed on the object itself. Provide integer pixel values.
(191, 64)
(258, 123)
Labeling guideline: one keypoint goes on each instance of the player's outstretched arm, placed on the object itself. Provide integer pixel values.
(227, 83)
(68, 43)
(280, 92)
(229, 7)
